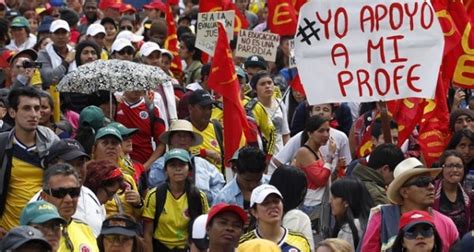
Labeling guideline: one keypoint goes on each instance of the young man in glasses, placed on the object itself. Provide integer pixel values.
(61, 187)
(411, 189)
(21, 151)
(122, 49)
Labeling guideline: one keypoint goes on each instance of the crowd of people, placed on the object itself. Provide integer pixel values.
(145, 170)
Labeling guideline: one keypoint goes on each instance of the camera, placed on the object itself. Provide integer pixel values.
(31, 64)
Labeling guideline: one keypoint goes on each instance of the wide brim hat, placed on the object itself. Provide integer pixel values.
(181, 125)
(405, 170)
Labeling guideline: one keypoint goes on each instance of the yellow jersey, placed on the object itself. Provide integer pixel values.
(118, 203)
(172, 229)
(80, 236)
(290, 242)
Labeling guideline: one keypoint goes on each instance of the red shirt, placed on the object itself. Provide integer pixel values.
(136, 116)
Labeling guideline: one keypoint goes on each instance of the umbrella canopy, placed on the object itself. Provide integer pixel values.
(113, 75)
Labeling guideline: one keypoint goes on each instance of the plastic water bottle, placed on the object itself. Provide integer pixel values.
(469, 181)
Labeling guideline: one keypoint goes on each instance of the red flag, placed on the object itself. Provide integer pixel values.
(282, 18)
(223, 80)
(297, 85)
(240, 22)
(297, 5)
(211, 5)
(407, 114)
(171, 43)
(434, 128)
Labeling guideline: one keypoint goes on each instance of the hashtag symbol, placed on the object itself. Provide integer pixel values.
(302, 31)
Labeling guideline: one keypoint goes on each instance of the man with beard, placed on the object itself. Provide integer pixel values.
(411, 189)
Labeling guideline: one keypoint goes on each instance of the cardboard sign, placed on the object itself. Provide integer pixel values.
(264, 44)
(206, 29)
(365, 51)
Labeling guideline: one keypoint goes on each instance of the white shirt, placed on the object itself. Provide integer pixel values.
(29, 43)
(277, 114)
(88, 209)
(297, 221)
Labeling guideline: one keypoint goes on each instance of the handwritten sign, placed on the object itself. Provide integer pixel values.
(206, 29)
(368, 50)
(264, 44)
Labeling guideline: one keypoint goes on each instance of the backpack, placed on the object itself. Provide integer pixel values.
(254, 135)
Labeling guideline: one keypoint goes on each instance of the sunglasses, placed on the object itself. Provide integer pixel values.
(126, 51)
(426, 232)
(420, 182)
(61, 192)
(126, 27)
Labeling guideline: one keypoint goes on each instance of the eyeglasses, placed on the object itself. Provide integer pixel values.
(117, 238)
(126, 51)
(426, 232)
(420, 182)
(61, 192)
(452, 166)
(126, 27)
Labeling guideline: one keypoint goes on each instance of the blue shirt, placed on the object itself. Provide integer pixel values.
(231, 193)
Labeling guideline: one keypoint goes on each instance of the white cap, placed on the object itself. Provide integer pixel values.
(199, 227)
(261, 192)
(164, 51)
(95, 29)
(149, 47)
(130, 36)
(59, 24)
(120, 44)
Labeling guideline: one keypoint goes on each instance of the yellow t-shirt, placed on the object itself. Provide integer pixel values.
(25, 180)
(81, 236)
(172, 229)
(265, 125)
(111, 206)
(104, 55)
(209, 143)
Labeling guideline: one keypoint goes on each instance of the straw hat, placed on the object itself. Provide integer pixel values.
(181, 125)
(404, 171)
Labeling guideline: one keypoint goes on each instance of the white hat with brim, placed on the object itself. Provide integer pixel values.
(130, 36)
(149, 47)
(120, 44)
(59, 24)
(95, 29)
(404, 171)
(181, 125)
(261, 192)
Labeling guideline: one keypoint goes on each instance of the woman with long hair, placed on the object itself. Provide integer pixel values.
(417, 233)
(350, 205)
(450, 197)
(172, 205)
(317, 168)
(463, 142)
(291, 182)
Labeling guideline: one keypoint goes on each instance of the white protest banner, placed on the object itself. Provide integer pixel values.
(367, 50)
(206, 28)
(264, 44)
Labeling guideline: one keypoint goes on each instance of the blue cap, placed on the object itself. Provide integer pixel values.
(45, 24)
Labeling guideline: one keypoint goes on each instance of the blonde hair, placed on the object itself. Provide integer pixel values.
(336, 245)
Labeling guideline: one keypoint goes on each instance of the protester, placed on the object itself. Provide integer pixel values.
(450, 197)
(120, 232)
(96, 33)
(45, 217)
(110, 32)
(23, 147)
(291, 182)
(91, 119)
(333, 245)
(23, 69)
(461, 119)
(350, 206)
(225, 224)
(21, 37)
(267, 208)
(122, 49)
(191, 55)
(206, 176)
(463, 142)
(411, 189)
(417, 233)
(198, 240)
(24, 238)
(61, 187)
(167, 204)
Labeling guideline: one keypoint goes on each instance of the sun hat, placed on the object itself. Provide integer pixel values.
(181, 125)
(38, 212)
(405, 170)
(261, 192)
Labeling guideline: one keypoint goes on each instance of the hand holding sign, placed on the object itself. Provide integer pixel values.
(368, 50)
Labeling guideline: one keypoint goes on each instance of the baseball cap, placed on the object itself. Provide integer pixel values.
(149, 47)
(126, 8)
(21, 235)
(261, 192)
(92, 116)
(119, 224)
(155, 5)
(179, 154)
(108, 131)
(38, 212)
(240, 72)
(45, 24)
(120, 44)
(255, 61)
(57, 3)
(20, 22)
(26, 52)
(107, 20)
(95, 29)
(164, 51)
(59, 24)
(198, 232)
(113, 4)
(124, 131)
(223, 207)
(66, 149)
(201, 97)
(130, 36)
(412, 218)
